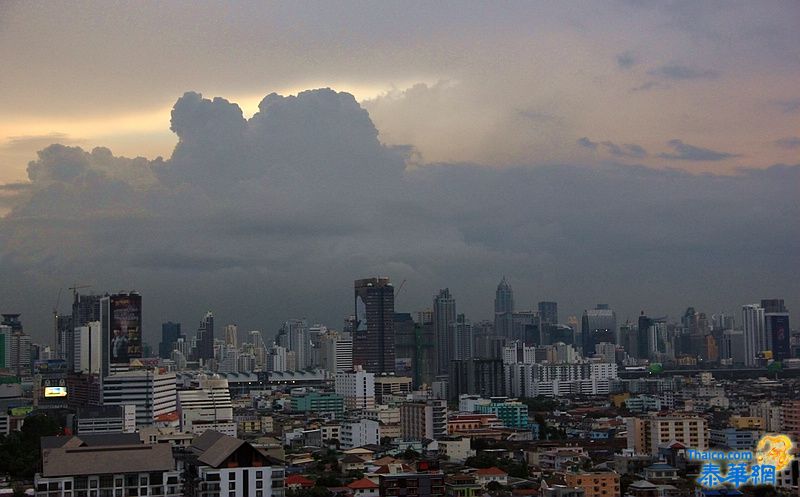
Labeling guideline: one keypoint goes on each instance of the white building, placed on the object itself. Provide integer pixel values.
(208, 407)
(755, 337)
(336, 351)
(88, 351)
(585, 378)
(357, 387)
(359, 433)
(152, 392)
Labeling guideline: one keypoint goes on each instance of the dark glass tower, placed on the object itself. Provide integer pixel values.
(373, 328)
(503, 309)
(170, 332)
(444, 315)
(205, 338)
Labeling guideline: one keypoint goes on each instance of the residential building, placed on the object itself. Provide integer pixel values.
(511, 412)
(318, 403)
(411, 485)
(755, 337)
(207, 407)
(359, 433)
(220, 465)
(106, 419)
(444, 314)
(595, 484)
(357, 387)
(390, 385)
(110, 465)
(423, 420)
(647, 434)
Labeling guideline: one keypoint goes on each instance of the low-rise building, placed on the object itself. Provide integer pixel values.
(597, 484)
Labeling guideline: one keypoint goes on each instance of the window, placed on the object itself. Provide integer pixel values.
(232, 485)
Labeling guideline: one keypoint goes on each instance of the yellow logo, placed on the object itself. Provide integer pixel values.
(774, 450)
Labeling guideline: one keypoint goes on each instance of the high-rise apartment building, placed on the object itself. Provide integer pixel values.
(755, 337)
(503, 308)
(373, 326)
(463, 344)
(294, 335)
(88, 353)
(645, 435)
(444, 314)
(336, 351)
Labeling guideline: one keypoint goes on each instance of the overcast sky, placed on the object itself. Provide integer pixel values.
(639, 153)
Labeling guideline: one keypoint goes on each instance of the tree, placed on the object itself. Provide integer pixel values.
(494, 486)
(19, 451)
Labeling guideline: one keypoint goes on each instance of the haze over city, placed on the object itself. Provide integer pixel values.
(640, 154)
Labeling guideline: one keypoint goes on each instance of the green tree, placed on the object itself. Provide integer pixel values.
(19, 451)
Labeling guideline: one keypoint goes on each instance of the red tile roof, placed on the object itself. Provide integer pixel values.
(493, 471)
(299, 480)
(364, 483)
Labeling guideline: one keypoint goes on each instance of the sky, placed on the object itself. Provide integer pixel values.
(255, 158)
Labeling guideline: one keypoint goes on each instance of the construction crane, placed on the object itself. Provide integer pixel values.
(75, 287)
(399, 289)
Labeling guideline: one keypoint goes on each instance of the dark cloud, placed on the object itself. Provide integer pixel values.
(626, 150)
(790, 142)
(273, 217)
(629, 150)
(626, 60)
(684, 151)
(789, 106)
(677, 72)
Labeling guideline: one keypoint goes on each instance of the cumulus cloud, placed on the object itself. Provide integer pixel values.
(272, 217)
(684, 151)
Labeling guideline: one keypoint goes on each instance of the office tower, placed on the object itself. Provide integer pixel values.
(548, 312)
(444, 314)
(170, 333)
(777, 330)
(88, 353)
(12, 321)
(373, 327)
(294, 335)
(525, 326)
(121, 322)
(151, 391)
(652, 338)
(503, 308)
(732, 349)
(598, 325)
(357, 387)
(461, 331)
(755, 338)
(205, 338)
(231, 335)
(405, 344)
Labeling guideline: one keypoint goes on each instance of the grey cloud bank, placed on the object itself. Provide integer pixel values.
(272, 217)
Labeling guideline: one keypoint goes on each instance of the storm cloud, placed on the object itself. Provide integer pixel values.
(272, 217)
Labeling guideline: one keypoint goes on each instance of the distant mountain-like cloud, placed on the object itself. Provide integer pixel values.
(789, 142)
(272, 217)
(684, 151)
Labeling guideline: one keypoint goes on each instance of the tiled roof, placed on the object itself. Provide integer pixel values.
(363, 483)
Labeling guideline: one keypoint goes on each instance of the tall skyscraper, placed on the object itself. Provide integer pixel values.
(598, 325)
(294, 335)
(548, 312)
(776, 327)
(755, 338)
(373, 326)
(121, 328)
(231, 335)
(463, 343)
(205, 338)
(85, 309)
(503, 309)
(170, 333)
(444, 314)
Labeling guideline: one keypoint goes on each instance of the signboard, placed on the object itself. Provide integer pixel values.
(125, 341)
(55, 392)
(20, 411)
